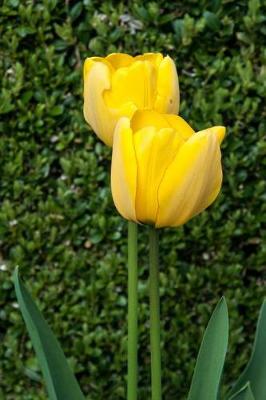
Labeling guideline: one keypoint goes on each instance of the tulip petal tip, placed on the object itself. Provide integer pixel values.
(220, 132)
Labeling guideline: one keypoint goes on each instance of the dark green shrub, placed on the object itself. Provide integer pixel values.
(57, 219)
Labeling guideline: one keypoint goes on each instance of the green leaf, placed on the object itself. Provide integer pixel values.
(178, 26)
(76, 10)
(255, 371)
(57, 110)
(60, 382)
(212, 21)
(209, 366)
(6, 103)
(244, 394)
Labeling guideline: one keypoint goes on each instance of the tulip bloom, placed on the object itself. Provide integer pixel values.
(118, 85)
(163, 173)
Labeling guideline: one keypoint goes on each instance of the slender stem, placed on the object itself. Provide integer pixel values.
(155, 317)
(132, 382)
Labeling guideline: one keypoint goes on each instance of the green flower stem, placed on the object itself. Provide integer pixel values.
(132, 382)
(155, 317)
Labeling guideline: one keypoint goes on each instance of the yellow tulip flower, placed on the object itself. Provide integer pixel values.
(119, 84)
(164, 173)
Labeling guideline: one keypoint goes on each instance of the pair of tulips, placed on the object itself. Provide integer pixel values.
(163, 172)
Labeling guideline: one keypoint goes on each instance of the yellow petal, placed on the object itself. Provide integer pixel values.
(124, 170)
(219, 131)
(119, 60)
(97, 114)
(142, 118)
(136, 84)
(192, 181)
(155, 149)
(167, 100)
(179, 125)
(154, 58)
(89, 62)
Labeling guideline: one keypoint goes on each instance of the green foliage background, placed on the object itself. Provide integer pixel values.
(57, 219)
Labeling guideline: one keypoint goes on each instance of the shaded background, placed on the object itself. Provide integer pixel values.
(57, 219)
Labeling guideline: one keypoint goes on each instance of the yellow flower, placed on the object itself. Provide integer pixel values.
(163, 173)
(118, 85)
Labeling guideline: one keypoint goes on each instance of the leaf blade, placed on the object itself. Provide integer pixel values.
(244, 394)
(211, 357)
(60, 381)
(255, 371)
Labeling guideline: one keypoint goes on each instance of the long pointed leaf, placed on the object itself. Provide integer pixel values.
(244, 394)
(209, 366)
(60, 382)
(255, 371)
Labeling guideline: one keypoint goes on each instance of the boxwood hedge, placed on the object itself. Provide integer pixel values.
(57, 219)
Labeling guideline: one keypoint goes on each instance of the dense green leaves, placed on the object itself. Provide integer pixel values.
(60, 382)
(255, 371)
(57, 219)
(210, 362)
